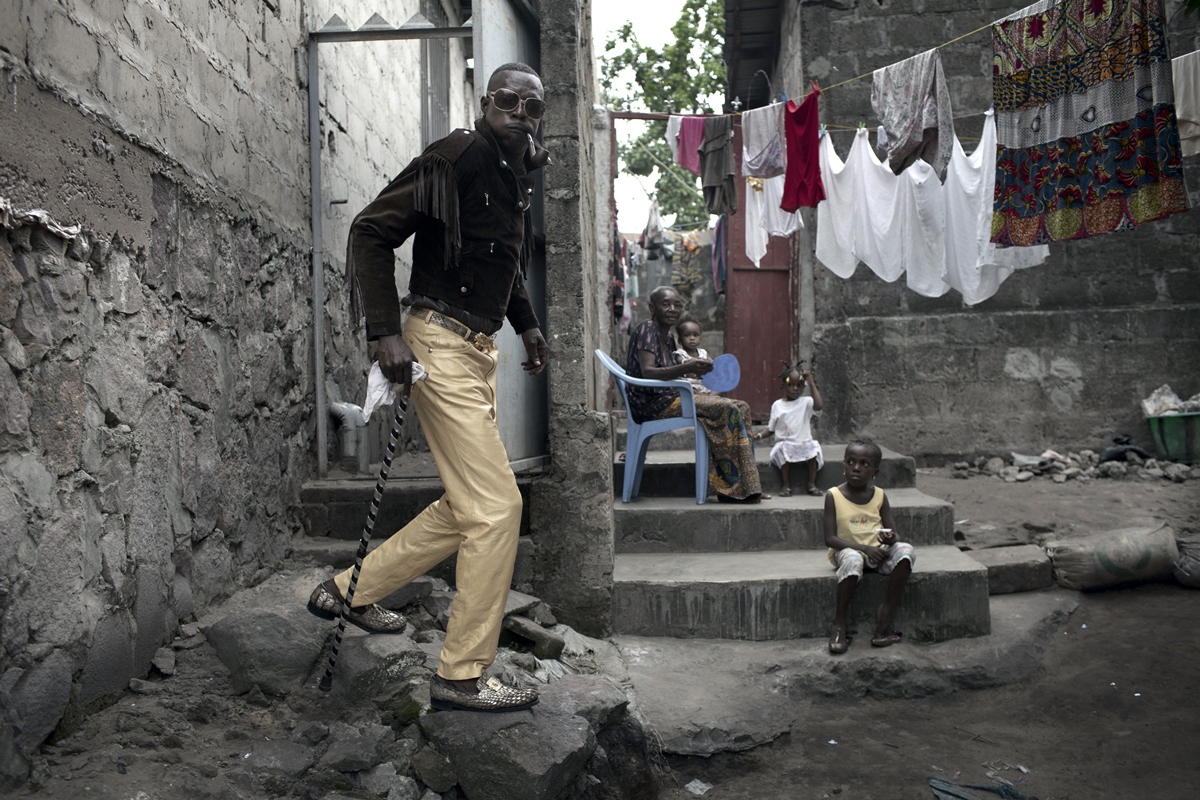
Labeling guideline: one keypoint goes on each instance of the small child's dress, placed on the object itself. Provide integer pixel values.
(790, 422)
(697, 385)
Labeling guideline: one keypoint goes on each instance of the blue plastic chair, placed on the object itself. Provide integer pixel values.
(638, 435)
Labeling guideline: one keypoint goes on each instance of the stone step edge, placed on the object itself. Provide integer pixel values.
(904, 497)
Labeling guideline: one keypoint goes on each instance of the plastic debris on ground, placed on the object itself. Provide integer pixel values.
(698, 787)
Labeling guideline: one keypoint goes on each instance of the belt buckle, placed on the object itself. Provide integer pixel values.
(481, 342)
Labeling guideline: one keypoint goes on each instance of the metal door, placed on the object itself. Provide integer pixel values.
(506, 30)
(762, 325)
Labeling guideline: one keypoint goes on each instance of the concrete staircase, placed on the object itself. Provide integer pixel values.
(761, 572)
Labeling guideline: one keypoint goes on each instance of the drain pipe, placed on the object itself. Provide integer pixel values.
(355, 451)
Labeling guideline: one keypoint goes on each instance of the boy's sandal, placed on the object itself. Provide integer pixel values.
(815, 492)
(887, 639)
(839, 642)
(785, 491)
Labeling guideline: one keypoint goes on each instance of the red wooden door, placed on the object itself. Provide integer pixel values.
(762, 326)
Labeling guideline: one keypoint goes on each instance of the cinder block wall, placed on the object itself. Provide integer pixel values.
(1062, 354)
(156, 381)
(571, 507)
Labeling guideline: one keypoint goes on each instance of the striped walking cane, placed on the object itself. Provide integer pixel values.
(397, 423)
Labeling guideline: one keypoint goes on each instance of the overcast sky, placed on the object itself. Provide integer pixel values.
(652, 22)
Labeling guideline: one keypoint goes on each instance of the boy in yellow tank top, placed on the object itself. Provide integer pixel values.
(861, 535)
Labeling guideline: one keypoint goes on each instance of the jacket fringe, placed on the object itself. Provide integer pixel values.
(436, 196)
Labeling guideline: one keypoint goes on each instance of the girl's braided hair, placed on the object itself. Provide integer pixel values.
(788, 369)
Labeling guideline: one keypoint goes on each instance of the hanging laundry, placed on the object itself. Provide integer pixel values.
(1085, 119)
(716, 166)
(653, 234)
(718, 254)
(764, 217)
(803, 187)
(912, 100)
(673, 123)
(693, 251)
(1185, 73)
(937, 234)
(763, 154)
(691, 136)
(974, 266)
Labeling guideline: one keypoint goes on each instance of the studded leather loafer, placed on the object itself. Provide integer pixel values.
(372, 618)
(493, 696)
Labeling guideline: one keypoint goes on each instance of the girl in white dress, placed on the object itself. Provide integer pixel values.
(791, 423)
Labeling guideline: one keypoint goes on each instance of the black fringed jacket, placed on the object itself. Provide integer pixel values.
(469, 210)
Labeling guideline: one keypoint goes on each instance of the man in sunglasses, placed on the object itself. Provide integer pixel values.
(466, 200)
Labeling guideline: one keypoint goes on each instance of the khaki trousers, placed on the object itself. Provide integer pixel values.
(479, 516)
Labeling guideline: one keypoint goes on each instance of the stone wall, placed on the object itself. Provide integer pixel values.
(571, 508)
(1061, 355)
(156, 387)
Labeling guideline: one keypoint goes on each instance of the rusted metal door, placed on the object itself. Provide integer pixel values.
(762, 326)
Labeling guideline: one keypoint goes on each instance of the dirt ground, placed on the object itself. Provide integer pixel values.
(1115, 713)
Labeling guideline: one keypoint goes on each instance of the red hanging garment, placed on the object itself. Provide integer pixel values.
(802, 188)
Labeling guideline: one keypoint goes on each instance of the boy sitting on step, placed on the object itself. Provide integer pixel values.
(860, 534)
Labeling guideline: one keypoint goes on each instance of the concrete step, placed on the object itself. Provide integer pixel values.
(338, 507)
(679, 525)
(790, 595)
(671, 473)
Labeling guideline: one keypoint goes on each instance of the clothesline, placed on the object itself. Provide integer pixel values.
(938, 47)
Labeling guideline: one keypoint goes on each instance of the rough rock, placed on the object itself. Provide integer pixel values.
(546, 643)
(524, 755)
(519, 602)
(1015, 569)
(383, 780)
(354, 750)
(164, 661)
(272, 649)
(596, 698)
(542, 615)
(371, 664)
(286, 758)
(434, 769)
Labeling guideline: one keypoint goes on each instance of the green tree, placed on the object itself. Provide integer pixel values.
(685, 76)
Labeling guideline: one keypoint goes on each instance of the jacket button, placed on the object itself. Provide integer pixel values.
(503, 163)
(463, 289)
(529, 190)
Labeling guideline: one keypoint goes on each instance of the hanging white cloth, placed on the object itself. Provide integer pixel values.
(763, 152)
(974, 266)
(674, 122)
(764, 217)
(1185, 74)
(939, 235)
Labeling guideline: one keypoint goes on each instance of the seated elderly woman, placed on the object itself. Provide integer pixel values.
(732, 470)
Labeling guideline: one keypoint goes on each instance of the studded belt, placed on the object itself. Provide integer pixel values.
(481, 342)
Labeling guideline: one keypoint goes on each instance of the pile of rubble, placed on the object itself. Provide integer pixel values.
(1082, 466)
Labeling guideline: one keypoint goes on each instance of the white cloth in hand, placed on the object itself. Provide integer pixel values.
(382, 392)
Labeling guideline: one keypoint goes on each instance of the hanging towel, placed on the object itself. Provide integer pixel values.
(912, 100)
(803, 187)
(764, 217)
(974, 266)
(691, 136)
(763, 153)
(1185, 72)
(716, 165)
(673, 123)
(1085, 121)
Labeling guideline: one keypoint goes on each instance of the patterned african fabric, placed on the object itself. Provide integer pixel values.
(1088, 143)
(732, 467)
(912, 100)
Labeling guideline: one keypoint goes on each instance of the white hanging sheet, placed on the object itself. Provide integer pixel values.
(764, 217)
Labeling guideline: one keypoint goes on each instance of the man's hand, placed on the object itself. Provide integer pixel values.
(535, 347)
(395, 359)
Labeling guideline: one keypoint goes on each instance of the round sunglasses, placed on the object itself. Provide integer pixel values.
(508, 100)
